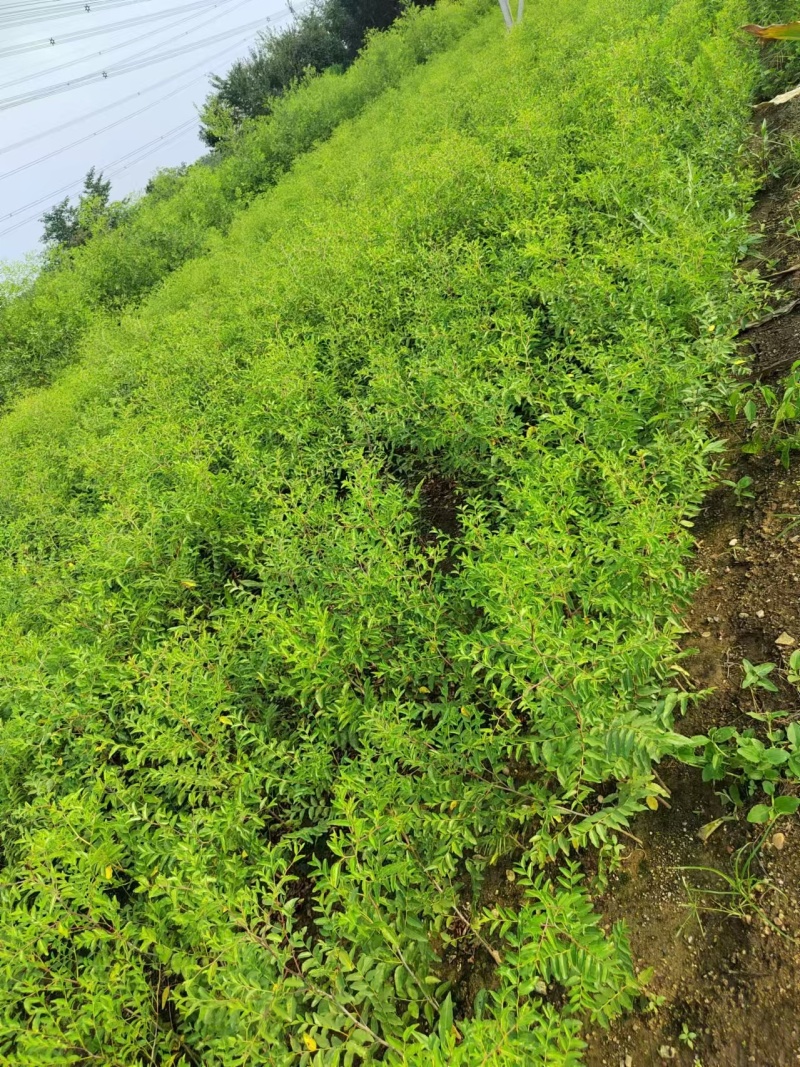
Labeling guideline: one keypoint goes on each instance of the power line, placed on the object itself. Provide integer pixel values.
(146, 150)
(103, 129)
(125, 67)
(124, 44)
(111, 125)
(125, 99)
(30, 13)
(109, 170)
(136, 155)
(79, 35)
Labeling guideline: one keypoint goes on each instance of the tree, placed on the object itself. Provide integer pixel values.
(166, 182)
(328, 35)
(277, 61)
(351, 20)
(68, 225)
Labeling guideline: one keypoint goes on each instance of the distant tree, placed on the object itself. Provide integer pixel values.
(351, 20)
(278, 60)
(68, 225)
(328, 35)
(166, 182)
(18, 278)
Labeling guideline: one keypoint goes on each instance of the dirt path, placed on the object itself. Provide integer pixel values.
(731, 982)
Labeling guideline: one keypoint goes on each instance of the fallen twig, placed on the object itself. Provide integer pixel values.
(782, 98)
(759, 372)
(787, 270)
(786, 309)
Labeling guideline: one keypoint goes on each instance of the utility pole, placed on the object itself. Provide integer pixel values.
(505, 7)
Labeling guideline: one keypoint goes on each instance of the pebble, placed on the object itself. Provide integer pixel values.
(785, 639)
(733, 541)
(778, 841)
(760, 613)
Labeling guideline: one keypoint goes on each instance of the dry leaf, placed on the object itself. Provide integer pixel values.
(781, 31)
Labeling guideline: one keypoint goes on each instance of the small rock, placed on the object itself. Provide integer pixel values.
(785, 640)
(760, 613)
(733, 541)
(706, 633)
(778, 841)
(744, 615)
(667, 1052)
(629, 1061)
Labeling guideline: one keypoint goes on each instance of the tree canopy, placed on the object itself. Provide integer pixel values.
(69, 225)
(328, 34)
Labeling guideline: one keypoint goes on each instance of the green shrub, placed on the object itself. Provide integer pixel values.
(42, 332)
(346, 571)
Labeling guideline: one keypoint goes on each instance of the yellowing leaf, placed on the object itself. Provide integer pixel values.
(311, 1044)
(226, 720)
(109, 872)
(424, 689)
(782, 31)
(187, 583)
(652, 803)
(708, 829)
(165, 996)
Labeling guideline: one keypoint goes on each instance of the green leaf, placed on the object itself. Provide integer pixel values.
(759, 813)
(786, 805)
(723, 734)
(776, 756)
(446, 1020)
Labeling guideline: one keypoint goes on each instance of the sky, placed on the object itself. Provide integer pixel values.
(163, 135)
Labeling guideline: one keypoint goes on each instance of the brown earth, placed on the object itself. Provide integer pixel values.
(731, 980)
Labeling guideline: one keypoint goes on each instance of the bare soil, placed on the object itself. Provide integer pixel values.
(732, 982)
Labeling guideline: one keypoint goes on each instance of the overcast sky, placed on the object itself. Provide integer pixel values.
(160, 26)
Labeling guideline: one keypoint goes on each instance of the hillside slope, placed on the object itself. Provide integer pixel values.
(182, 214)
(339, 582)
